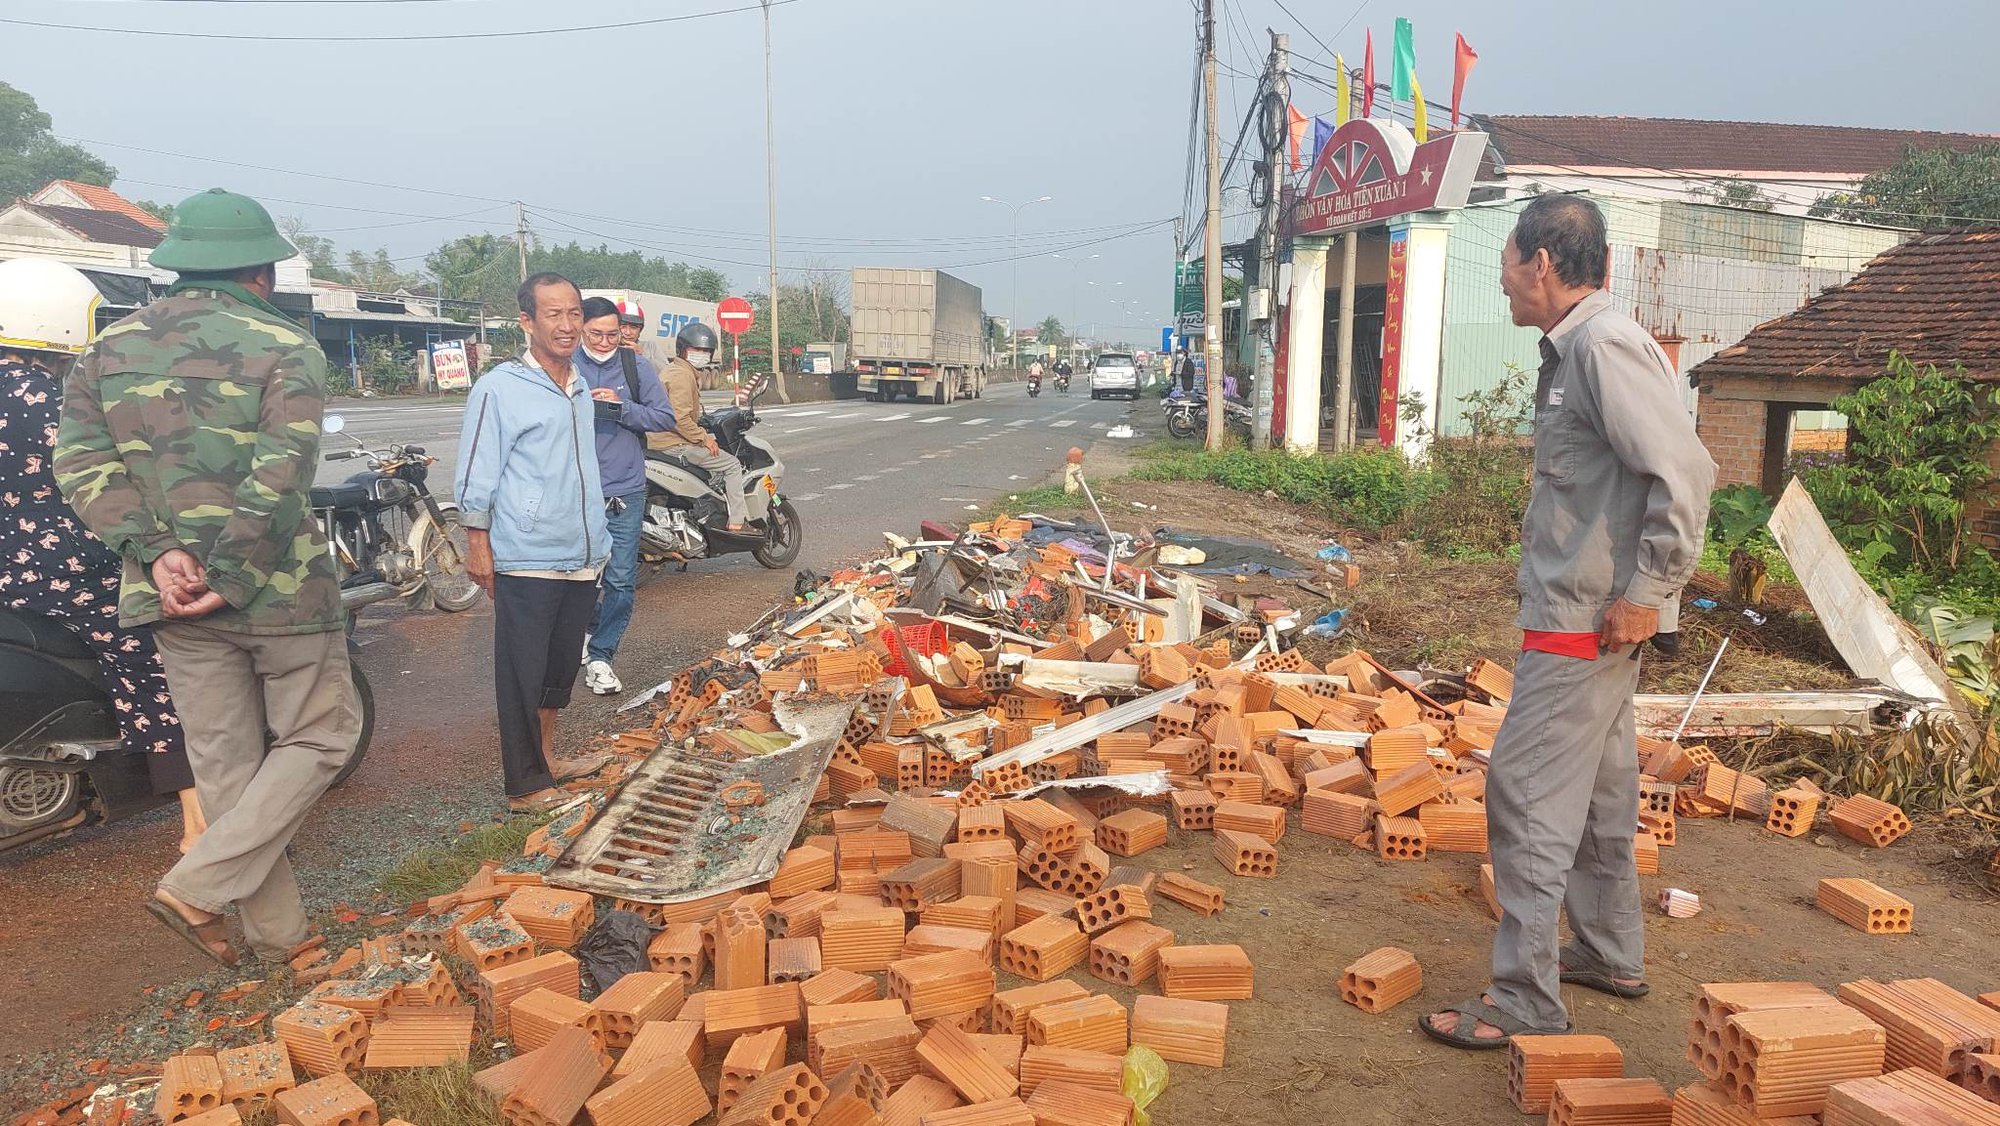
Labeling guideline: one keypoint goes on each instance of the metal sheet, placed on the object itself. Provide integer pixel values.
(667, 838)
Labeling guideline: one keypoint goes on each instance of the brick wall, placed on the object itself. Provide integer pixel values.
(1733, 431)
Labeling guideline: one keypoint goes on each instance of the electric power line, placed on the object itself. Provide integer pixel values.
(652, 21)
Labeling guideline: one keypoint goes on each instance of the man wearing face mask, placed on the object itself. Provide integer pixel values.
(694, 350)
(630, 403)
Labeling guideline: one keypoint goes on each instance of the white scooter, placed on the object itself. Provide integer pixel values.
(686, 517)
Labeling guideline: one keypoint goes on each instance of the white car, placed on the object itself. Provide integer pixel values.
(1114, 373)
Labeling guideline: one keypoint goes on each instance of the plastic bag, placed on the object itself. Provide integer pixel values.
(615, 946)
(1334, 553)
(1328, 625)
(1145, 1078)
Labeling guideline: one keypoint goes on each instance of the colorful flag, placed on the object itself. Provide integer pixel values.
(1341, 94)
(1461, 67)
(1295, 130)
(1368, 77)
(1406, 60)
(1421, 125)
(1322, 133)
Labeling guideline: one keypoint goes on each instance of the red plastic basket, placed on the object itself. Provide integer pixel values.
(927, 638)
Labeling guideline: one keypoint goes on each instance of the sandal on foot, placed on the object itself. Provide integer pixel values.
(1472, 1012)
(1579, 968)
(201, 936)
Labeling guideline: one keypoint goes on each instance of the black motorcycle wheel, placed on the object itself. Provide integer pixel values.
(444, 554)
(1180, 424)
(366, 694)
(783, 539)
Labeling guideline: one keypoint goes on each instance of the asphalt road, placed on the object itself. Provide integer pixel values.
(854, 469)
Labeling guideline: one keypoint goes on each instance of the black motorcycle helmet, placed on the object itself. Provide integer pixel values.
(695, 336)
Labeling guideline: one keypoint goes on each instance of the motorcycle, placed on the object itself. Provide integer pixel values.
(1062, 382)
(686, 517)
(1034, 386)
(62, 764)
(1187, 415)
(389, 537)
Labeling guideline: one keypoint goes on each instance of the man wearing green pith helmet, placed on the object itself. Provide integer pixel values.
(188, 440)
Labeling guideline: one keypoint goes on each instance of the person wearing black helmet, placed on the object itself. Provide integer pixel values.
(694, 350)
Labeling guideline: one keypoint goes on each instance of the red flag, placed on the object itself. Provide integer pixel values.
(1296, 124)
(1461, 67)
(1368, 77)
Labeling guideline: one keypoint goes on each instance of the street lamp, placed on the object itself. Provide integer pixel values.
(1073, 263)
(1014, 241)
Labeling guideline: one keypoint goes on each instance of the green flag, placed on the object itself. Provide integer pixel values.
(1406, 60)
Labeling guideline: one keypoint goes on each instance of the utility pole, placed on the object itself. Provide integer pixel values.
(1212, 244)
(521, 237)
(771, 207)
(1343, 379)
(1267, 240)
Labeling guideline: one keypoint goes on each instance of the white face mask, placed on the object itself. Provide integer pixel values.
(699, 359)
(600, 357)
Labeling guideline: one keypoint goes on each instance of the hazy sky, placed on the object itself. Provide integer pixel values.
(893, 116)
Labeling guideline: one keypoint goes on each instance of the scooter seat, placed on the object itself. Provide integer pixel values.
(679, 463)
(343, 495)
(43, 635)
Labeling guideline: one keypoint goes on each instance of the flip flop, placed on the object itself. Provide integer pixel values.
(198, 935)
(1471, 1013)
(1591, 974)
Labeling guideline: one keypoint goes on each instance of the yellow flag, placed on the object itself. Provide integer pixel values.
(1341, 92)
(1422, 126)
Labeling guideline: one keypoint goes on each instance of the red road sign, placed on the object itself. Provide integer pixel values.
(735, 315)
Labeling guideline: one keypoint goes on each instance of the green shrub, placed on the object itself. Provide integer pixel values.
(1481, 479)
(1373, 489)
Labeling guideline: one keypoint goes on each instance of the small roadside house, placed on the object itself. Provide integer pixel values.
(1935, 299)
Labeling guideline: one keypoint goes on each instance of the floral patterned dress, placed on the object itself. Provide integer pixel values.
(51, 565)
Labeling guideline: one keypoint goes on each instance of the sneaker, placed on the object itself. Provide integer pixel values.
(599, 678)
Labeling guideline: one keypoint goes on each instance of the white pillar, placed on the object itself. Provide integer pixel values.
(1421, 354)
(1306, 342)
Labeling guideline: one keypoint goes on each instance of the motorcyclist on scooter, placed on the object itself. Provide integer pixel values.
(694, 349)
(50, 564)
(1034, 376)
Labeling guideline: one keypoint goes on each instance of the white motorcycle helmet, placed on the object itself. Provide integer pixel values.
(46, 306)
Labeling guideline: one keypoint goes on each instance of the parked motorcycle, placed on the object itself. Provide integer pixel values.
(62, 764)
(686, 517)
(390, 538)
(1187, 415)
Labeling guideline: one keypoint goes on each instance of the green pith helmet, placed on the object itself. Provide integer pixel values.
(218, 230)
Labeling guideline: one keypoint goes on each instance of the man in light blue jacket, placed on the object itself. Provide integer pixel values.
(532, 500)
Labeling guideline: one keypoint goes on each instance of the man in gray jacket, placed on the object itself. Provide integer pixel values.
(1613, 531)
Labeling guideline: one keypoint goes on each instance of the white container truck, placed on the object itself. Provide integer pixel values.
(665, 317)
(916, 333)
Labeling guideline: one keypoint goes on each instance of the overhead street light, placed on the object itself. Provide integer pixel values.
(1014, 240)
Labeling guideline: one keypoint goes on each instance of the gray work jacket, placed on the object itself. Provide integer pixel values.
(1621, 482)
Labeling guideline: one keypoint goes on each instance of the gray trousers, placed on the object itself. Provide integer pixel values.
(231, 688)
(1562, 800)
(728, 468)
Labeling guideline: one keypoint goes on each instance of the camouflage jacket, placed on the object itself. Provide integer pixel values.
(194, 423)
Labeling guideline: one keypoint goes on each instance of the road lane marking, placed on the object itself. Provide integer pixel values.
(868, 477)
(844, 414)
(1021, 422)
(894, 417)
(1063, 422)
(931, 419)
(892, 469)
(975, 421)
(800, 429)
(802, 414)
(807, 497)
(841, 485)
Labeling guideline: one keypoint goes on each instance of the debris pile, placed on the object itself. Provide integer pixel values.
(996, 727)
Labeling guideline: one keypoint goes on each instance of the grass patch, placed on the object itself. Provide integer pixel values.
(1046, 499)
(434, 1096)
(438, 868)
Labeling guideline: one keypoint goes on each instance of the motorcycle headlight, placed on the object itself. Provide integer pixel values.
(388, 490)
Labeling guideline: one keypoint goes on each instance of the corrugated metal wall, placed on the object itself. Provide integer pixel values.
(1704, 274)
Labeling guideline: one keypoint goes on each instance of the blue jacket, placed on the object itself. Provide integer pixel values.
(527, 473)
(621, 445)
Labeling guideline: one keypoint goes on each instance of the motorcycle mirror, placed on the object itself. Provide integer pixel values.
(333, 424)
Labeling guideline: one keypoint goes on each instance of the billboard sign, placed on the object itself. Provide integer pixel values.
(1373, 170)
(450, 365)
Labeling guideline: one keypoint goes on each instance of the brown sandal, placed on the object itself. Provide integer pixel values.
(202, 936)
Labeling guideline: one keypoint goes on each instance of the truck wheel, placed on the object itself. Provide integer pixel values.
(938, 395)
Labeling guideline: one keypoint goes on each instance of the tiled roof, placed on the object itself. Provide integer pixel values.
(104, 199)
(1936, 299)
(113, 228)
(1708, 146)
